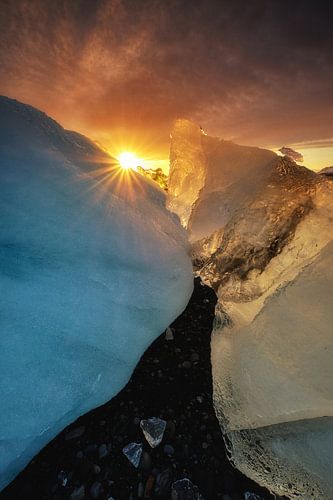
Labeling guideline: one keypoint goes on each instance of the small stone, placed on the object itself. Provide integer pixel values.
(168, 449)
(103, 451)
(79, 493)
(75, 433)
(251, 496)
(79, 455)
(146, 462)
(62, 478)
(169, 334)
(205, 446)
(136, 421)
(96, 489)
(149, 486)
(170, 430)
(163, 483)
(187, 364)
(195, 356)
(133, 452)
(200, 399)
(96, 469)
(141, 490)
(184, 489)
(153, 429)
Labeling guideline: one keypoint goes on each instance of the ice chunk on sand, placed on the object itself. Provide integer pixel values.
(133, 452)
(153, 429)
(93, 269)
(266, 248)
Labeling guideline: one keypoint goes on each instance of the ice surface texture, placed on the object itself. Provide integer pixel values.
(262, 235)
(93, 269)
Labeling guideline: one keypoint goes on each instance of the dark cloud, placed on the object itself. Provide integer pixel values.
(259, 72)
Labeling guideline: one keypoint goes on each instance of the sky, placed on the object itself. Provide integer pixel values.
(256, 72)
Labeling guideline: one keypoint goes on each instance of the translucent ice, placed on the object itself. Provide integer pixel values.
(153, 429)
(92, 269)
(133, 452)
(262, 236)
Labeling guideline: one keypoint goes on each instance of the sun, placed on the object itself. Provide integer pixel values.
(129, 160)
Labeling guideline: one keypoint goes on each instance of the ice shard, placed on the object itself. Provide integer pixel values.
(133, 452)
(153, 429)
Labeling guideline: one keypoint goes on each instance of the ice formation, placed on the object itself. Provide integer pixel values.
(133, 451)
(153, 429)
(262, 236)
(93, 269)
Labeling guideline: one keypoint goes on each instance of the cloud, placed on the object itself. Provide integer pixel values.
(259, 72)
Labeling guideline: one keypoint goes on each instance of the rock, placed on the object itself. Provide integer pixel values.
(146, 462)
(153, 429)
(96, 489)
(149, 486)
(96, 469)
(133, 452)
(184, 489)
(186, 364)
(251, 496)
(141, 490)
(168, 449)
(79, 493)
(170, 430)
(163, 483)
(62, 478)
(75, 433)
(103, 451)
(169, 334)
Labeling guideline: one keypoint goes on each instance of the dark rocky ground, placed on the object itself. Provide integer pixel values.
(172, 381)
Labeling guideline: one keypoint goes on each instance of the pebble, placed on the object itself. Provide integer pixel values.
(103, 451)
(97, 469)
(96, 489)
(187, 364)
(62, 478)
(141, 490)
(75, 433)
(79, 493)
(146, 462)
(168, 449)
